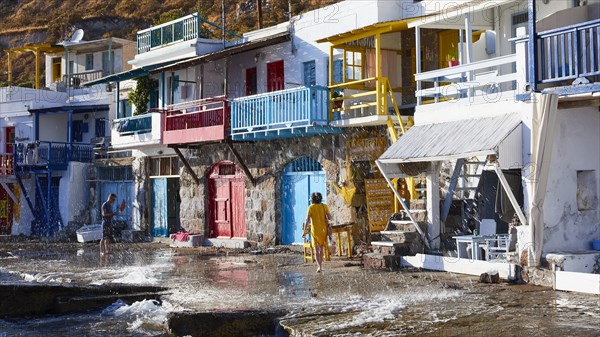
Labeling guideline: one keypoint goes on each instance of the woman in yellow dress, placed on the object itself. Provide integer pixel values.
(318, 217)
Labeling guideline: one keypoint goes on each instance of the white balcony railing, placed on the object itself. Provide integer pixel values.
(482, 80)
(136, 131)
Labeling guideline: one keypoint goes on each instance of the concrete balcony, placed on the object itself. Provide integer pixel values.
(136, 131)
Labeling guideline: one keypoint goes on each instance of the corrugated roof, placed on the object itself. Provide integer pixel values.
(451, 140)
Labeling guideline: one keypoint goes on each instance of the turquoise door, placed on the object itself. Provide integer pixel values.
(160, 216)
(300, 179)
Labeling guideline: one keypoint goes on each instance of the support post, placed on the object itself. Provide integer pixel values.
(433, 205)
(37, 68)
(509, 193)
(241, 163)
(9, 54)
(117, 103)
(49, 213)
(70, 128)
(532, 46)
(187, 165)
(36, 127)
(9, 192)
(418, 60)
(378, 81)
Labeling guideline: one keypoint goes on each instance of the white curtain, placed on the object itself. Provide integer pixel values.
(545, 111)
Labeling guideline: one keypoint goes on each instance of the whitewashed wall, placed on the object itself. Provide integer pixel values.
(575, 148)
(73, 191)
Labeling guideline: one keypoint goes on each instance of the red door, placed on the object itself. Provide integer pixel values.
(251, 81)
(275, 78)
(6, 158)
(227, 201)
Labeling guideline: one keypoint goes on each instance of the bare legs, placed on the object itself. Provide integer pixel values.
(104, 246)
(319, 255)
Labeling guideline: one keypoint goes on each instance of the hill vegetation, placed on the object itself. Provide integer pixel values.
(26, 22)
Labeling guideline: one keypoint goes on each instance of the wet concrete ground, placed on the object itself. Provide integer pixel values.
(344, 300)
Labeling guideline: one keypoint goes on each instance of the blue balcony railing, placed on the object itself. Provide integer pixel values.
(281, 114)
(189, 27)
(51, 154)
(135, 124)
(569, 52)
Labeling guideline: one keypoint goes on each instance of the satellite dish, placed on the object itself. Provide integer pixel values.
(77, 36)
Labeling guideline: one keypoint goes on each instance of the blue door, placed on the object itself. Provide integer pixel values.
(160, 217)
(300, 178)
(124, 191)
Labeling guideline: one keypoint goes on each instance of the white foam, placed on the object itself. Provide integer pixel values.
(138, 276)
(141, 312)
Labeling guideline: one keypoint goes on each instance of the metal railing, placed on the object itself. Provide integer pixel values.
(282, 109)
(569, 52)
(135, 124)
(51, 153)
(78, 79)
(480, 78)
(189, 27)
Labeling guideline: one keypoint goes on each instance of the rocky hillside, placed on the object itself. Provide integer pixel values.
(25, 22)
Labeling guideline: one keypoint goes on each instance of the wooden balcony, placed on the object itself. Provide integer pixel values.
(289, 113)
(81, 78)
(6, 164)
(200, 121)
(38, 156)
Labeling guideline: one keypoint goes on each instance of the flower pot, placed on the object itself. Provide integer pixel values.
(452, 63)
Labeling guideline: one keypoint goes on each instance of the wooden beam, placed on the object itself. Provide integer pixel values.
(580, 103)
(9, 192)
(453, 182)
(187, 166)
(241, 163)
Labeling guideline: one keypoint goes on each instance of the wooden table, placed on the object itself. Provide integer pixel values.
(337, 230)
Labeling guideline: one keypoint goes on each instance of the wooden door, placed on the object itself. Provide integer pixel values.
(275, 76)
(160, 218)
(251, 82)
(300, 179)
(227, 201)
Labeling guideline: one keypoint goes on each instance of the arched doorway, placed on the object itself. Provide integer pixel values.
(227, 201)
(300, 178)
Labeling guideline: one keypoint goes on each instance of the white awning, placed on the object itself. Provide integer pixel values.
(453, 140)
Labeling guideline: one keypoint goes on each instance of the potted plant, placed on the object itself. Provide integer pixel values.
(453, 56)
(337, 104)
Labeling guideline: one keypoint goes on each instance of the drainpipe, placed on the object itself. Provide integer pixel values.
(117, 103)
(68, 73)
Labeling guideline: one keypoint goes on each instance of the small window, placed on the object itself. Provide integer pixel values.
(310, 73)
(89, 62)
(100, 124)
(587, 190)
(227, 170)
(164, 166)
(354, 65)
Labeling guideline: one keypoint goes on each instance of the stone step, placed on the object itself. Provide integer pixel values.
(226, 243)
(397, 248)
(381, 261)
(399, 236)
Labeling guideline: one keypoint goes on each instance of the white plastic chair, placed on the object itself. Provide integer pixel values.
(497, 248)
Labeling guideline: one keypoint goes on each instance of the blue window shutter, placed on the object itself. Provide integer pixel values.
(338, 68)
(310, 77)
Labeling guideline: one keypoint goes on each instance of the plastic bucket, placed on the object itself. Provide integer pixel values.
(596, 244)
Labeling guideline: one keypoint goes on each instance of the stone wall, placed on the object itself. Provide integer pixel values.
(266, 161)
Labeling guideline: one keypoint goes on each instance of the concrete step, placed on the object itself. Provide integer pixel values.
(381, 261)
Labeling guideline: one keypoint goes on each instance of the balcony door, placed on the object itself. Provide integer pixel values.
(227, 200)
(251, 82)
(275, 76)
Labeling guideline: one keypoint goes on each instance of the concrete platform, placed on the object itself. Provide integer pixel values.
(575, 261)
(194, 240)
(226, 243)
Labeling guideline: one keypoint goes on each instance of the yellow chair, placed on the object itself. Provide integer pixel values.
(307, 247)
